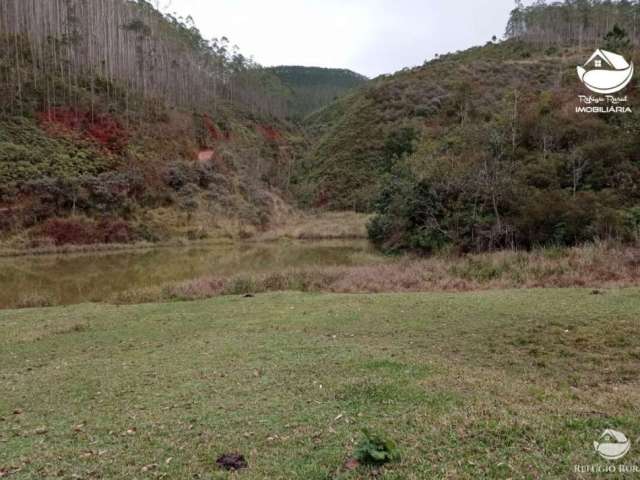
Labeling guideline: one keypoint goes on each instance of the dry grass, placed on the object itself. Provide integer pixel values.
(320, 226)
(34, 300)
(595, 266)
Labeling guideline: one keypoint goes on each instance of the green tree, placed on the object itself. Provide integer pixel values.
(617, 40)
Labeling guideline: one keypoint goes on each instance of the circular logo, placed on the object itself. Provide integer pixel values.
(612, 445)
(606, 72)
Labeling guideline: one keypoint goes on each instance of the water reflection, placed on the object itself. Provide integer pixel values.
(68, 279)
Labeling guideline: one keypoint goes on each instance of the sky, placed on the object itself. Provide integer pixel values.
(370, 37)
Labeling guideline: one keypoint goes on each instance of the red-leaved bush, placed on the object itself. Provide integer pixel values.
(270, 133)
(80, 231)
(116, 231)
(101, 128)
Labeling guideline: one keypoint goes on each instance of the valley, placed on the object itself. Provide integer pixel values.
(304, 272)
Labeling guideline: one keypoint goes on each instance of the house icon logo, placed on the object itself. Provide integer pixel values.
(612, 445)
(608, 72)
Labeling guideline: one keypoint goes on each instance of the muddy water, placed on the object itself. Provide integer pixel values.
(77, 278)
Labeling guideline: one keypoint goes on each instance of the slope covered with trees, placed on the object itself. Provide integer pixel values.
(52, 46)
(312, 88)
(484, 149)
(580, 23)
(120, 123)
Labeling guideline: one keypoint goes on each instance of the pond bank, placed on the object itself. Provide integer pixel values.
(101, 276)
(301, 226)
(594, 266)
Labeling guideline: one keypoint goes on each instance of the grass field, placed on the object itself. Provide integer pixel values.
(495, 384)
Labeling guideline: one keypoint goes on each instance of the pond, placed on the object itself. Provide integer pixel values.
(94, 277)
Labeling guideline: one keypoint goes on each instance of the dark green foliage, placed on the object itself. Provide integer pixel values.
(497, 195)
(180, 174)
(374, 449)
(617, 40)
(410, 215)
(28, 153)
(633, 220)
(312, 88)
(114, 193)
(399, 143)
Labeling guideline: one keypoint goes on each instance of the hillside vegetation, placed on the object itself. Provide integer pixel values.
(119, 123)
(484, 149)
(312, 88)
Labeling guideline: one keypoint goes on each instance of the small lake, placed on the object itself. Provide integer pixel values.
(94, 277)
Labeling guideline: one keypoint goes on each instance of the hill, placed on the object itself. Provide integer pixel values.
(119, 123)
(482, 149)
(312, 88)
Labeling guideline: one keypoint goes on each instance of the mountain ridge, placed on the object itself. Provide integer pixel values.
(312, 88)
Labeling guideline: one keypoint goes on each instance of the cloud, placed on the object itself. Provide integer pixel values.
(368, 36)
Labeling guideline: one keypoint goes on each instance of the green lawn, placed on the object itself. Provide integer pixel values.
(500, 384)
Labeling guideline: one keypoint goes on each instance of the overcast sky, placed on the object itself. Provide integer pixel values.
(368, 36)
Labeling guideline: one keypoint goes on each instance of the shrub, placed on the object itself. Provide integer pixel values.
(117, 231)
(376, 450)
(69, 231)
(240, 286)
(82, 231)
(180, 174)
(411, 215)
(28, 154)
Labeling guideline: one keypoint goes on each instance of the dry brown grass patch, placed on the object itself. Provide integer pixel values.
(595, 266)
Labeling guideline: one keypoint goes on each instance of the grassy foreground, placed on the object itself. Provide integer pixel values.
(497, 384)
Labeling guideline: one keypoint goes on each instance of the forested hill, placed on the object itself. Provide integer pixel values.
(120, 123)
(313, 88)
(131, 43)
(484, 148)
(578, 23)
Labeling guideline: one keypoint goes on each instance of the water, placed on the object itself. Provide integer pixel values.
(94, 277)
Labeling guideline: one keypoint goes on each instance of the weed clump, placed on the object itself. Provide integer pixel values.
(34, 300)
(374, 449)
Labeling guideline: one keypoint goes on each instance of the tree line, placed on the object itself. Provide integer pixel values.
(59, 48)
(583, 23)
